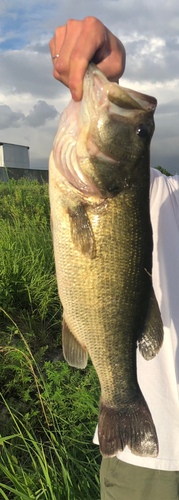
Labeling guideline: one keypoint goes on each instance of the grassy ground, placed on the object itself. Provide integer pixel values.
(48, 410)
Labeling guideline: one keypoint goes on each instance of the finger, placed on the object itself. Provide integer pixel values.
(95, 43)
(56, 43)
(80, 42)
(113, 65)
(64, 41)
(52, 47)
(91, 37)
(76, 44)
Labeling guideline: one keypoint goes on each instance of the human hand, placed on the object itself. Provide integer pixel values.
(79, 42)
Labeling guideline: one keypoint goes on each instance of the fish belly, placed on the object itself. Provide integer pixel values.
(105, 300)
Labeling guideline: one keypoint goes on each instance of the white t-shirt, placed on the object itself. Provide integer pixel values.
(159, 378)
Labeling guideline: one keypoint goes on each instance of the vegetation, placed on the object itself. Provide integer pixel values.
(164, 171)
(48, 410)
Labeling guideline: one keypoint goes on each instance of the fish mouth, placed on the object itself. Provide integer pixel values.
(128, 99)
(116, 99)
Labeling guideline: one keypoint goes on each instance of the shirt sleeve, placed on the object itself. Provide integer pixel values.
(162, 187)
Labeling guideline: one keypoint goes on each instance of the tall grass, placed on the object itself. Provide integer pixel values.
(48, 410)
(54, 462)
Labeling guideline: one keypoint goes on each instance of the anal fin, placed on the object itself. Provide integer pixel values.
(75, 354)
(151, 339)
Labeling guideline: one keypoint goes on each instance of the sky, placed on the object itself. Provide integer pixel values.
(31, 100)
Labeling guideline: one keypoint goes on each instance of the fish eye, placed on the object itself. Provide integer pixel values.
(142, 130)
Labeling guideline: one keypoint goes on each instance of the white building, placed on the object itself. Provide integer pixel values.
(14, 156)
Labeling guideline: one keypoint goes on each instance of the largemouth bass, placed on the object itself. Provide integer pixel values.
(99, 196)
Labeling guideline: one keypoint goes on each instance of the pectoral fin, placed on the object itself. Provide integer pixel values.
(152, 338)
(81, 231)
(74, 353)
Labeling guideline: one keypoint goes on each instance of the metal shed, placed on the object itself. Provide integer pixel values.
(14, 155)
(14, 164)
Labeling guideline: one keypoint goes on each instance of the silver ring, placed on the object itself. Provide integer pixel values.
(54, 57)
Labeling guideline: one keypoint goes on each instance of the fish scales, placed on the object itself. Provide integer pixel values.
(106, 291)
(98, 306)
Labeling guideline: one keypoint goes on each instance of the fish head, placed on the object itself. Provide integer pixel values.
(111, 130)
(120, 131)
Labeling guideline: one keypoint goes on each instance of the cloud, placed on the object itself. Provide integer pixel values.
(40, 114)
(152, 51)
(152, 59)
(23, 71)
(169, 108)
(9, 118)
(149, 32)
(28, 72)
(25, 21)
(39, 47)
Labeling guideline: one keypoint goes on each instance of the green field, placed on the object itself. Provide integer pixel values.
(48, 410)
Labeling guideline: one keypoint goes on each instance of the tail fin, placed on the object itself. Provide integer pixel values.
(134, 428)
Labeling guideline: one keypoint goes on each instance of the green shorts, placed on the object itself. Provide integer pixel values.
(121, 481)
